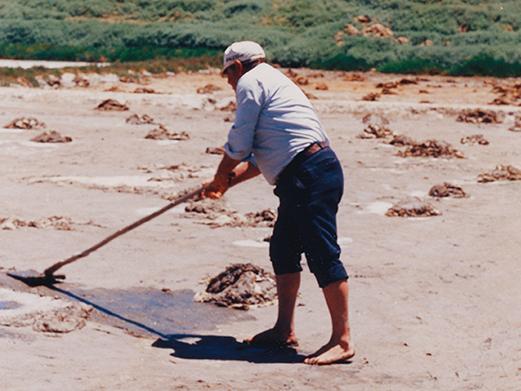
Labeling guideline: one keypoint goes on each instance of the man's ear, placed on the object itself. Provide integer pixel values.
(240, 67)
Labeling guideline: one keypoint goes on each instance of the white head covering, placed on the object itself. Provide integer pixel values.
(244, 51)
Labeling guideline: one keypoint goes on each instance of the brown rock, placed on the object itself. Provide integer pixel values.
(129, 79)
(501, 173)
(111, 105)
(208, 89)
(377, 30)
(447, 190)
(136, 119)
(474, 139)
(51, 136)
(81, 81)
(351, 30)
(431, 148)
(412, 208)
(25, 123)
(363, 19)
(399, 140)
(214, 150)
(402, 40)
(321, 87)
(354, 77)
(480, 116)
(144, 90)
(374, 131)
(240, 286)
(232, 106)
(162, 133)
(53, 81)
(372, 96)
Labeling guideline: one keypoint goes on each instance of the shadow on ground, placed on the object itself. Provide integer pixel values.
(215, 347)
(194, 346)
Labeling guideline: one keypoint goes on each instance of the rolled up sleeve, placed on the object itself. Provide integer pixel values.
(242, 133)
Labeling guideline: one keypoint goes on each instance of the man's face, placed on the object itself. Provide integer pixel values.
(233, 73)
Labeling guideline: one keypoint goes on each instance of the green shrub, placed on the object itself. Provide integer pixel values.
(468, 36)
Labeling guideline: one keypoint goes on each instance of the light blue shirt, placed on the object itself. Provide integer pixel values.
(274, 121)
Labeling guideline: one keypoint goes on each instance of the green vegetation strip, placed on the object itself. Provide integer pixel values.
(458, 37)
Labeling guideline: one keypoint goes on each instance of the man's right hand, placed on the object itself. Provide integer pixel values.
(216, 188)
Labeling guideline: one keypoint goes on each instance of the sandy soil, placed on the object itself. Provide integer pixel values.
(433, 299)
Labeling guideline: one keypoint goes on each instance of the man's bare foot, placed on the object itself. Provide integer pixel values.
(332, 352)
(272, 338)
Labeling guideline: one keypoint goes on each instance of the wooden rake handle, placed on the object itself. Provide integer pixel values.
(52, 269)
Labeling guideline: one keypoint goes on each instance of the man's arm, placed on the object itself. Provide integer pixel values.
(229, 173)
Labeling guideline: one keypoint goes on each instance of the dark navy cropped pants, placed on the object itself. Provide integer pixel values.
(309, 190)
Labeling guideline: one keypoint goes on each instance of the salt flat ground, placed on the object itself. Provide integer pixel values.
(434, 301)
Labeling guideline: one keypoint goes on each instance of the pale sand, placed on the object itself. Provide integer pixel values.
(434, 303)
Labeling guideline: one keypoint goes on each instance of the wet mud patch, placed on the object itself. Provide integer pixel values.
(25, 123)
(240, 286)
(162, 133)
(157, 311)
(431, 148)
(474, 139)
(501, 173)
(412, 208)
(447, 190)
(41, 313)
(112, 105)
(480, 116)
(51, 136)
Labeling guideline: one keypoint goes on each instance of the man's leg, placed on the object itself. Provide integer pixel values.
(339, 347)
(283, 333)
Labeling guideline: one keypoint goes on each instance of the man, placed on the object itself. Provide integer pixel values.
(277, 133)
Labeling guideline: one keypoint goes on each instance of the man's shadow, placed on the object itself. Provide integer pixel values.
(197, 346)
(216, 347)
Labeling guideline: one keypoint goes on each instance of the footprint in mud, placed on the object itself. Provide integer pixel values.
(240, 286)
